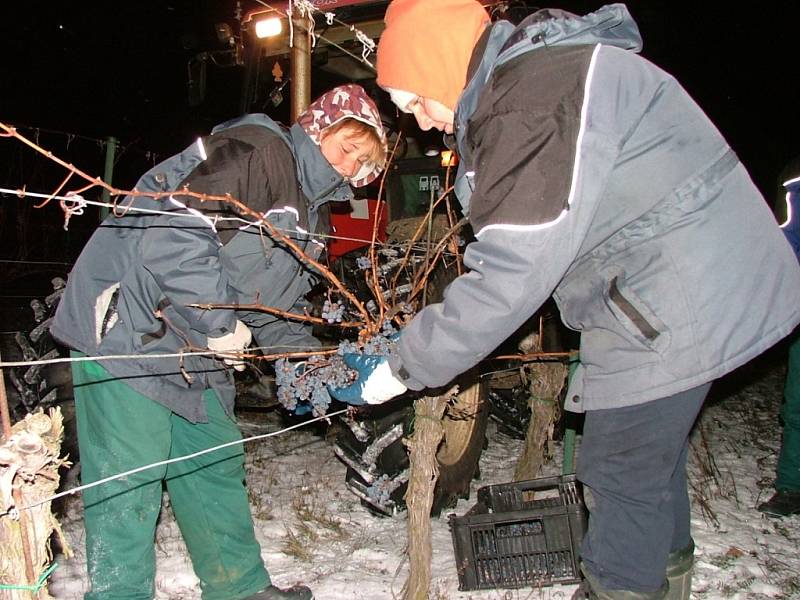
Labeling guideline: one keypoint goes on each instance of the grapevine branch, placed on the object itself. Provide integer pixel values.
(418, 233)
(373, 281)
(237, 355)
(278, 312)
(440, 247)
(11, 132)
(451, 218)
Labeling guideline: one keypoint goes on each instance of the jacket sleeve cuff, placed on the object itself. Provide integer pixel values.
(400, 372)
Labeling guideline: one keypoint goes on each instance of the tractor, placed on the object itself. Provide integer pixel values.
(267, 70)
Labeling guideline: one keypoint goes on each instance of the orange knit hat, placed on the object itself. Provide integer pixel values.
(426, 47)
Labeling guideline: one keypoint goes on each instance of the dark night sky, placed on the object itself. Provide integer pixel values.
(119, 68)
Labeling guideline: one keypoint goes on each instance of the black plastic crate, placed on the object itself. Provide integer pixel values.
(521, 534)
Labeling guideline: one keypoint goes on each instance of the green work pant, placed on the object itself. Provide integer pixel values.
(789, 460)
(118, 430)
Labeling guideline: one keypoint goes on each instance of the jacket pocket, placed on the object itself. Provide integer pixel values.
(633, 314)
(105, 312)
(152, 336)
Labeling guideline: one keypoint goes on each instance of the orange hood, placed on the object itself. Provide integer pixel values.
(426, 47)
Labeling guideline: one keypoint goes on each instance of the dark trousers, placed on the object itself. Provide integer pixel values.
(789, 460)
(632, 462)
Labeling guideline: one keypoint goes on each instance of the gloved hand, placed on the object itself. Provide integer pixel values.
(302, 408)
(228, 345)
(375, 383)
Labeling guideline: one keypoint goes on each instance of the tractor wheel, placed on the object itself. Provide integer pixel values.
(35, 387)
(373, 449)
(378, 465)
(39, 386)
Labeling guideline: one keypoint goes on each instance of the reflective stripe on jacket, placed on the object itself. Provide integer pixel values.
(590, 174)
(129, 291)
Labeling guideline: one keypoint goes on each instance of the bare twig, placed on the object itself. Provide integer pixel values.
(226, 198)
(278, 312)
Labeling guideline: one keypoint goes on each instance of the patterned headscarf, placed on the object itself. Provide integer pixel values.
(343, 102)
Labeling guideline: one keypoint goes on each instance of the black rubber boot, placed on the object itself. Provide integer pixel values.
(297, 592)
(783, 503)
(591, 589)
(679, 573)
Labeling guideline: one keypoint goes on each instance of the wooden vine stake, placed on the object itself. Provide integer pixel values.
(546, 380)
(423, 474)
(29, 462)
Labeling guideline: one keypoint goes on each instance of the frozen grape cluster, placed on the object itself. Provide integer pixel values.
(363, 263)
(333, 312)
(381, 344)
(303, 386)
(384, 486)
(381, 490)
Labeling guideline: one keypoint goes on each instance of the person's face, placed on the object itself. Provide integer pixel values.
(345, 151)
(431, 114)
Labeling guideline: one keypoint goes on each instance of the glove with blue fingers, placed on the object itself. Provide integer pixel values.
(375, 383)
(302, 408)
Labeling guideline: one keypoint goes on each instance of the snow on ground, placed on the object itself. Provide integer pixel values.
(313, 530)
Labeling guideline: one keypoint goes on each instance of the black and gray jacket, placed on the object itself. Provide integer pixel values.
(589, 174)
(129, 291)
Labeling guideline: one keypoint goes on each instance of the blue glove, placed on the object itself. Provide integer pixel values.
(302, 408)
(363, 365)
(375, 383)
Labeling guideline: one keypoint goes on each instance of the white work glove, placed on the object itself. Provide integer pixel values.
(375, 383)
(381, 385)
(228, 346)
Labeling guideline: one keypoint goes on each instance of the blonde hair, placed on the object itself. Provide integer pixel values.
(357, 130)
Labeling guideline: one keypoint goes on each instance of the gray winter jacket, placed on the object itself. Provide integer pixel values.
(589, 174)
(129, 291)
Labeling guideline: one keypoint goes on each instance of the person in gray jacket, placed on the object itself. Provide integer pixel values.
(129, 295)
(590, 174)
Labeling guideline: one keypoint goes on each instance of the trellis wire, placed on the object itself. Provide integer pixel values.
(179, 459)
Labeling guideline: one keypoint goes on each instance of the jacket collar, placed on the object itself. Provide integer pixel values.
(501, 41)
(611, 25)
(484, 58)
(480, 69)
(320, 181)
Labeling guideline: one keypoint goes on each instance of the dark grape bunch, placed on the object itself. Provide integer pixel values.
(388, 259)
(383, 487)
(363, 263)
(333, 312)
(303, 386)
